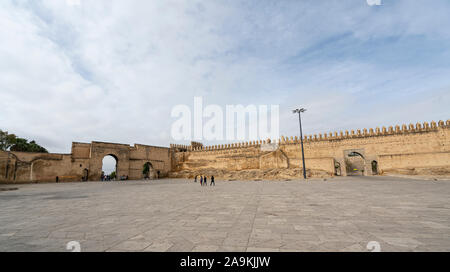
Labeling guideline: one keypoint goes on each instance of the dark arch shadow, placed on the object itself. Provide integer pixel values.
(374, 165)
(85, 175)
(147, 170)
(355, 154)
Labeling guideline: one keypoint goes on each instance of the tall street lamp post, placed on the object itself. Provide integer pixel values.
(299, 111)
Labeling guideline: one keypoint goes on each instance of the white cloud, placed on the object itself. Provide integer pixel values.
(73, 2)
(113, 70)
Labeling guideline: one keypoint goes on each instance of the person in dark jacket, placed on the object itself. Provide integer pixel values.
(212, 181)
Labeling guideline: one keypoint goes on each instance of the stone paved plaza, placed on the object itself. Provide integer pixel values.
(339, 214)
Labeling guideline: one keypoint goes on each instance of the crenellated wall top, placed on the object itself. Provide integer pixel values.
(359, 133)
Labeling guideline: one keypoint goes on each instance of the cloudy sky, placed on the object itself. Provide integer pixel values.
(113, 70)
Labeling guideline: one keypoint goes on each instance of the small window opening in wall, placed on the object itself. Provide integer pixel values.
(81, 165)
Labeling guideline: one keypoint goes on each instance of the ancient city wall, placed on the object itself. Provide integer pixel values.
(159, 157)
(421, 149)
(407, 149)
(18, 167)
(84, 163)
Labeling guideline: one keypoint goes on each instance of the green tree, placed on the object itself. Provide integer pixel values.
(6, 140)
(22, 145)
(13, 143)
(113, 175)
(34, 147)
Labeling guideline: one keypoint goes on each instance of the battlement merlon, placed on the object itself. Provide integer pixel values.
(359, 133)
(363, 133)
(198, 147)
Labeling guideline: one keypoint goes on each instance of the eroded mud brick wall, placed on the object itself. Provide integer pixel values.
(420, 149)
(84, 163)
(406, 149)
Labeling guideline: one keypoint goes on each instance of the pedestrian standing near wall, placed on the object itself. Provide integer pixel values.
(212, 181)
(205, 181)
(201, 180)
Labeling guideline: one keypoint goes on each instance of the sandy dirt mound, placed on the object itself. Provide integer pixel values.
(253, 174)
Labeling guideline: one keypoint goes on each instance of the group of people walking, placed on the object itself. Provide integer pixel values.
(106, 177)
(204, 180)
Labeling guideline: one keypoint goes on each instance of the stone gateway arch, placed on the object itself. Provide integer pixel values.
(421, 149)
(84, 163)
